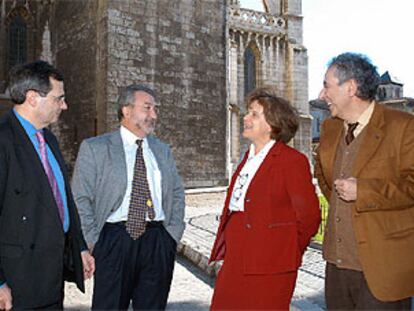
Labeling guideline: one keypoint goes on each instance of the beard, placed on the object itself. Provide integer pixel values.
(148, 126)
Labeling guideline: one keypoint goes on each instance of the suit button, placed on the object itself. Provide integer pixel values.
(248, 226)
(24, 218)
(339, 261)
(32, 246)
(16, 191)
(338, 240)
(248, 200)
(338, 219)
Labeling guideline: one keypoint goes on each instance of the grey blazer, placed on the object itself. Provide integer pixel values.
(100, 179)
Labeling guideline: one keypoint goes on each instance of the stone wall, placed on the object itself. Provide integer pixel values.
(73, 44)
(178, 47)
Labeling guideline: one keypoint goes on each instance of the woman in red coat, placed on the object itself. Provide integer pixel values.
(270, 213)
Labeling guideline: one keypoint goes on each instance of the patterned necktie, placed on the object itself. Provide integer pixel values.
(50, 175)
(141, 202)
(350, 133)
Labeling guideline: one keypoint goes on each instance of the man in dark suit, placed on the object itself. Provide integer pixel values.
(41, 243)
(365, 168)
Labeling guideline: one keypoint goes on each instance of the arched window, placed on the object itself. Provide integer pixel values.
(17, 41)
(249, 71)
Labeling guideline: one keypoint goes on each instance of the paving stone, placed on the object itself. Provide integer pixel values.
(202, 218)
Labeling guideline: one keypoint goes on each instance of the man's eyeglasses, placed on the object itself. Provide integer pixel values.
(240, 182)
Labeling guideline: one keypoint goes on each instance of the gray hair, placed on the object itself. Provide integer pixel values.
(127, 96)
(356, 66)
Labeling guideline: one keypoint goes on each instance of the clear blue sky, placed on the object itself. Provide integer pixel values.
(381, 29)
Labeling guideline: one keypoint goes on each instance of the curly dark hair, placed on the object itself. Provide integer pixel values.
(356, 66)
(282, 117)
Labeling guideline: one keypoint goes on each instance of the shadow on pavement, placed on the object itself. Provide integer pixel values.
(187, 305)
(197, 272)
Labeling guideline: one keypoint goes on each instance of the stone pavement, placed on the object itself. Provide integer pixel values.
(202, 211)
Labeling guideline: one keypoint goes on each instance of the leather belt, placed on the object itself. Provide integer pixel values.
(149, 224)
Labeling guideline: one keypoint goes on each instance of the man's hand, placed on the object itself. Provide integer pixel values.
(91, 247)
(88, 264)
(5, 298)
(346, 189)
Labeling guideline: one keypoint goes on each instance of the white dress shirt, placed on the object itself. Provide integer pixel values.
(153, 175)
(246, 175)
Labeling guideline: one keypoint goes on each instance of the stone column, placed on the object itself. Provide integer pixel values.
(240, 71)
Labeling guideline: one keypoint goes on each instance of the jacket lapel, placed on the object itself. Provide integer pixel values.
(373, 138)
(33, 168)
(117, 161)
(267, 163)
(332, 133)
(161, 161)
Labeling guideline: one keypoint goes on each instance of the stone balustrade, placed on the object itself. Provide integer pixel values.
(244, 19)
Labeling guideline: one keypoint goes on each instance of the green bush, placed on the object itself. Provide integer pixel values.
(323, 203)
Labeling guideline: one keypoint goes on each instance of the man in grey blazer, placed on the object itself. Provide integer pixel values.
(134, 258)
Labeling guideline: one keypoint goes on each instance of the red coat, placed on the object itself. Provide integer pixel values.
(282, 213)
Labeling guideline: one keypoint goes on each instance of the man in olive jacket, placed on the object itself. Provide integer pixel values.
(365, 168)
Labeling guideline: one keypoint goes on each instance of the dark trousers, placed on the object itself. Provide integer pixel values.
(58, 305)
(347, 289)
(139, 270)
(54, 306)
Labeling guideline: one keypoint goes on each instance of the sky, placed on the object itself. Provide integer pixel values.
(381, 29)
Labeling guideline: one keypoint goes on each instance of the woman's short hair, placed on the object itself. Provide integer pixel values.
(282, 117)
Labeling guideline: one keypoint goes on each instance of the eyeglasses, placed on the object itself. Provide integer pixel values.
(240, 183)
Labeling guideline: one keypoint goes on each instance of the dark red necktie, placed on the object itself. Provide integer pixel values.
(350, 133)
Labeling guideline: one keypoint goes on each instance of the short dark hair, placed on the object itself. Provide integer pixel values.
(282, 117)
(32, 77)
(359, 67)
(127, 94)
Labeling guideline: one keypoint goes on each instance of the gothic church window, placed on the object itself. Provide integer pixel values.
(17, 41)
(249, 71)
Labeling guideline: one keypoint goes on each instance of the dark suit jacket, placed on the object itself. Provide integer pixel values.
(281, 213)
(35, 253)
(383, 214)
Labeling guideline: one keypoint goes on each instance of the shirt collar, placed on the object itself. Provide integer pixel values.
(263, 152)
(129, 138)
(364, 117)
(28, 127)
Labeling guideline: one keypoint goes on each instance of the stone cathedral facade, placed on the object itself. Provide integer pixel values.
(265, 48)
(201, 56)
